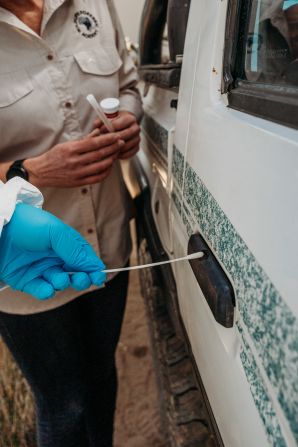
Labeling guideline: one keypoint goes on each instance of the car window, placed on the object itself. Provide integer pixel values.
(272, 42)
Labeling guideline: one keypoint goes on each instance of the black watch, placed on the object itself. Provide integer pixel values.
(17, 170)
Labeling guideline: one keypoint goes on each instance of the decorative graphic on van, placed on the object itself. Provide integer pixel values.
(178, 167)
(157, 134)
(270, 324)
(86, 24)
(260, 394)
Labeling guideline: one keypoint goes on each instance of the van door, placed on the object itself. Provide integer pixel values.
(235, 183)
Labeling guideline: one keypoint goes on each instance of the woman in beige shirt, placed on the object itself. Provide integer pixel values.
(52, 54)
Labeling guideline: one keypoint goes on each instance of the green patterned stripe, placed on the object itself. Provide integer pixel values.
(187, 219)
(270, 322)
(258, 389)
(260, 395)
(158, 155)
(178, 167)
(157, 134)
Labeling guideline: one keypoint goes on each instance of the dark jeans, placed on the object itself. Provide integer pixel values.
(68, 357)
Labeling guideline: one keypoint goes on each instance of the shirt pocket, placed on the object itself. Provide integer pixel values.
(14, 87)
(101, 61)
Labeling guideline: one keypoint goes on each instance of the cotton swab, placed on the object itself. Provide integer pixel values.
(100, 113)
(198, 255)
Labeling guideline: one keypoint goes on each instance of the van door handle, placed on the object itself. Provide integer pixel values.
(213, 281)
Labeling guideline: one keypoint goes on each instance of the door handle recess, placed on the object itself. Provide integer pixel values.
(213, 281)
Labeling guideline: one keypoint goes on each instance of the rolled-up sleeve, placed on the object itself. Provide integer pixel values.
(130, 98)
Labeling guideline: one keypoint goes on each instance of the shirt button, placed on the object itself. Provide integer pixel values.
(90, 231)
(50, 57)
(84, 191)
(68, 105)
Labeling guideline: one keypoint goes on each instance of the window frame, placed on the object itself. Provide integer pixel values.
(273, 102)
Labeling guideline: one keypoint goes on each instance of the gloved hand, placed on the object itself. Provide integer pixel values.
(37, 250)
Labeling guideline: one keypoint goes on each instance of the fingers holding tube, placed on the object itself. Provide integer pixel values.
(130, 148)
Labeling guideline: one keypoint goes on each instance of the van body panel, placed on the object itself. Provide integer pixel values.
(233, 178)
(158, 132)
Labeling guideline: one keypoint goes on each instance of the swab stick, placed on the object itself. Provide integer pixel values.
(198, 255)
(100, 113)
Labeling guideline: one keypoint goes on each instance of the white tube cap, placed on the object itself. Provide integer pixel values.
(110, 105)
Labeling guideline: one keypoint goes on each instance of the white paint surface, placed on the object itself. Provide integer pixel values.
(249, 165)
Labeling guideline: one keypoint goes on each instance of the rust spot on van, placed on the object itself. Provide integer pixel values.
(214, 70)
(140, 351)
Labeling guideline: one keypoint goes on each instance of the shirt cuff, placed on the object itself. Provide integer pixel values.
(130, 103)
(15, 191)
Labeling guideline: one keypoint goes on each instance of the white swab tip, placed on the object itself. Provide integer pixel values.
(91, 99)
(197, 255)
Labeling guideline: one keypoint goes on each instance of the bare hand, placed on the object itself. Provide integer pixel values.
(76, 163)
(127, 127)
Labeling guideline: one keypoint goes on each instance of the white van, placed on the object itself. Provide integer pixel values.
(218, 173)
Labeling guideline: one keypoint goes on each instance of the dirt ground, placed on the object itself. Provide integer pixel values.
(137, 419)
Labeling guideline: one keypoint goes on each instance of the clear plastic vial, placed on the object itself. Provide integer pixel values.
(110, 106)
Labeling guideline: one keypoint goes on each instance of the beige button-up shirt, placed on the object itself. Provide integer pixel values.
(44, 81)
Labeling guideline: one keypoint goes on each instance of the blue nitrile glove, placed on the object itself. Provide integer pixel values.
(37, 250)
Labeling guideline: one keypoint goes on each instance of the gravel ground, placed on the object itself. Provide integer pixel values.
(137, 419)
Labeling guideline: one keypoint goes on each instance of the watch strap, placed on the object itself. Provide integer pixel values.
(17, 170)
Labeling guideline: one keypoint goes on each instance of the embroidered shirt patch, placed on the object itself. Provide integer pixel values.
(86, 24)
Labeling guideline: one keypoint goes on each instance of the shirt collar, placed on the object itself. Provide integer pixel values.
(274, 9)
(50, 6)
(9, 18)
(276, 15)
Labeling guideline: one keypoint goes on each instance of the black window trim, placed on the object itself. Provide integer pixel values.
(278, 103)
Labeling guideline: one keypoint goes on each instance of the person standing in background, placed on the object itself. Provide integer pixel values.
(273, 42)
(53, 54)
